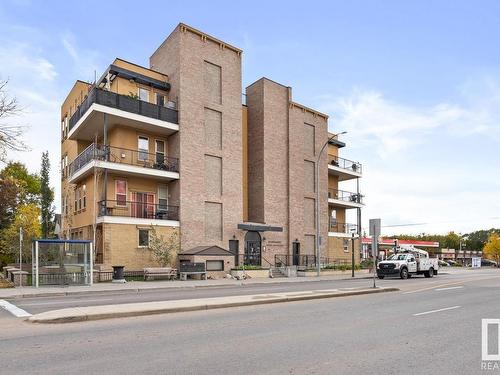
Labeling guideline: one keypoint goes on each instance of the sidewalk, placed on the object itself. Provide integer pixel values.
(138, 286)
(79, 314)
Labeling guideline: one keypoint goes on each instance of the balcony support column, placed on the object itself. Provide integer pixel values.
(106, 156)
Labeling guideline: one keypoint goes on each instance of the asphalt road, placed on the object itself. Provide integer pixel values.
(433, 326)
(41, 304)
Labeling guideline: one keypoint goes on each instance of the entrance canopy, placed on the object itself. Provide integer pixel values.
(62, 262)
(259, 227)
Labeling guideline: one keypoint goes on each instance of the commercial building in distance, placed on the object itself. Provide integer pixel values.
(171, 147)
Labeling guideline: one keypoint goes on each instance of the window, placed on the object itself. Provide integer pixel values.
(160, 99)
(143, 147)
(346, 245)
(162, 197)
(65, 205)
(121, 192)
(143, 237)
(84, 196)
(160, 152)
(143, 205)
(80, 198)
(215, 265)
(77, 197)
(63, 167)
(143, 94)
(66, 166)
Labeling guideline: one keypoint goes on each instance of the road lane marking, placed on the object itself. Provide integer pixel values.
(13, 309)
(449, 284)
(66, 302)
(449, 288)
(435, 311)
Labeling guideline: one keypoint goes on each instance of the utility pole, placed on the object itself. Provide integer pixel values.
(352, 260)
(21, 256)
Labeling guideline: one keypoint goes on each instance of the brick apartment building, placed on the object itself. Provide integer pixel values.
(173, 147)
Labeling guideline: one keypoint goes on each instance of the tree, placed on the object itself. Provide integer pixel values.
(164, 250)
(10, 134)
(46, 197)
(27, 217)
(492, 248)
(29, 183)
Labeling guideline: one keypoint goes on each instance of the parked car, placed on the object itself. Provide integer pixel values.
(452, 262)
(407, 262)
(488, 263)
(442, 263)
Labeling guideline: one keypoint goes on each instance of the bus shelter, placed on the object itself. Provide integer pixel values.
(62, 262)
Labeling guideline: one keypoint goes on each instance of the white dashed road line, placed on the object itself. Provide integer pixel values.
(435, 311)
(13, 309)
(449, 288)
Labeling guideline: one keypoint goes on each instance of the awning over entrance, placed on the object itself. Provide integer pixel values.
(259, 227)
(207, 250)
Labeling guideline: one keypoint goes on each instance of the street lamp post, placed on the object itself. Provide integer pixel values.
(318, 232)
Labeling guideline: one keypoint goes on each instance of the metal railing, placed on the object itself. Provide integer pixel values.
(124, 156)
(345, 196)
(342, 227)
(345, 164)
(125, 103)
(305, 261)
(139, 210)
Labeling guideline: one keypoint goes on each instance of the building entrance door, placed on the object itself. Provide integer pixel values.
(253, 249)
(296, 253)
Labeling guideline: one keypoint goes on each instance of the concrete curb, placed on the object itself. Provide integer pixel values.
(59, 293)
(81, 314)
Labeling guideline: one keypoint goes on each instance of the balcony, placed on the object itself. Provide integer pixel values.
(121, 110)
(123, 161)
(343, 168)
(338, 229)
(128, 212)
(346, 199)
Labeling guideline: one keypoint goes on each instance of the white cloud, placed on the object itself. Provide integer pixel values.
(85, 61)
(424, 164)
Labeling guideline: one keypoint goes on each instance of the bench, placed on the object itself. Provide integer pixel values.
(167, 272)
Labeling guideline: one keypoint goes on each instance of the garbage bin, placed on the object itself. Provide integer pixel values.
(118, 274)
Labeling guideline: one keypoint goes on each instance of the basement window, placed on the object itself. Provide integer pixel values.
(143, 237)
(215, 265)
(346, 246)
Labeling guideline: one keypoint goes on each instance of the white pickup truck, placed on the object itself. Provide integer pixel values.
(407, 262)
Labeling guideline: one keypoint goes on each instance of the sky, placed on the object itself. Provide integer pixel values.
(416, 85)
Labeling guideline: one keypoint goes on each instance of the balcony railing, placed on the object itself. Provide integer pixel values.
(346, 164)
(125, 103)
(139, 210)
(345, 196)
(338, 227)
(124, 156)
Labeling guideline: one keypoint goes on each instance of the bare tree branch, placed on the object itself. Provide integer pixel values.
(10, 135)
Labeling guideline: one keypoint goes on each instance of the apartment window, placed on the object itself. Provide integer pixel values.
(346, 245)
(143, 147)
(160, 99)
(121, 192)
(66, 166)
(143, 205)
(215, 265)
(143, 237)
(84, 196)
(77, 197)
(65, 201)
(333, 217)
(63, 167)
(163, 197)
(80, 198)
(160, 152)
(143, 94)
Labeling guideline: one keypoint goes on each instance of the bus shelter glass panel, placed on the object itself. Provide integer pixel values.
(62, 262)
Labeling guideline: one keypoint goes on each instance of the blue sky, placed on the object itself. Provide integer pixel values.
(415, 84)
